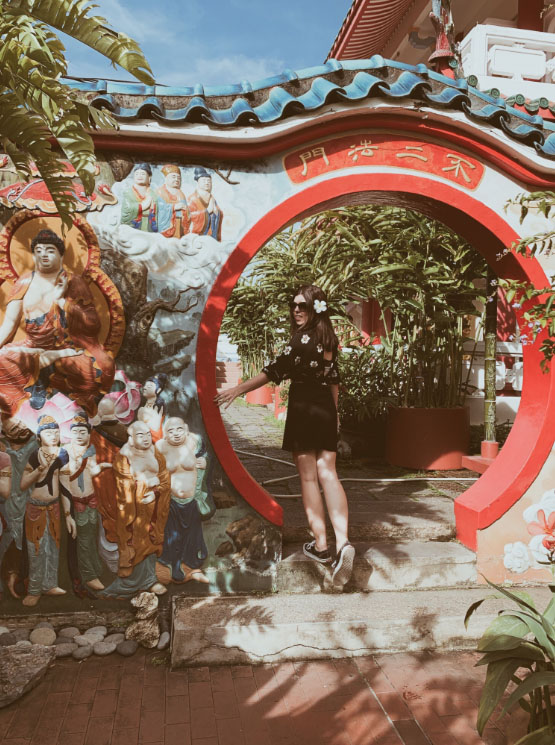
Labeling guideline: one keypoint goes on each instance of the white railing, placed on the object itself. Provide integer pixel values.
(513, 60)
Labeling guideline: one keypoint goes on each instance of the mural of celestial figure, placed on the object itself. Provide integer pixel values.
(206, 216)
(143, 499)
(152, 410)
(79, 498)
(19, 443)
(61, 350)
(176, 221)
(184, 547)
(42, 515)
(139, 206)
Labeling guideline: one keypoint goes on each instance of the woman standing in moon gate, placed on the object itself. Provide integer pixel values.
(310, 361)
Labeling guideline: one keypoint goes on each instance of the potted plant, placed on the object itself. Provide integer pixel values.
(518, 648)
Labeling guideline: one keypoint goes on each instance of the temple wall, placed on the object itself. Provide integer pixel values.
(138, 508)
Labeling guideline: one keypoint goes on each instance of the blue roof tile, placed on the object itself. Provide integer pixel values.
(292, 92)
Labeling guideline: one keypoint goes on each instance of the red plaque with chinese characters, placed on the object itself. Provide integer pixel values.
(382, 150)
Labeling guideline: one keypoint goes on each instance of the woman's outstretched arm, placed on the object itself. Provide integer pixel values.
(225, 398)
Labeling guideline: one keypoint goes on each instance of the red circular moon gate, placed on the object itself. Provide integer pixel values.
(534, 430)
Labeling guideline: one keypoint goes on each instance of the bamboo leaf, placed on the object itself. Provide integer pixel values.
(542, 736)
(531, 683)
(498, 677)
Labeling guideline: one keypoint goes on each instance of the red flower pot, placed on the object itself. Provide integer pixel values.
(427, 439)
(261, 396)
(279, 407)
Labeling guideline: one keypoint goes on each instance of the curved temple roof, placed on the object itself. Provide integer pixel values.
(293, 93)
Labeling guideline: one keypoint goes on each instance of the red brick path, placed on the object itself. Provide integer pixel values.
(420, 699)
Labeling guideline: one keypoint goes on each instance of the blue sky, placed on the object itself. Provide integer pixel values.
(218, 41)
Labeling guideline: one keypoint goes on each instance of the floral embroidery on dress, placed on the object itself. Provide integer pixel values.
(297, 360)
(319, 348)
(287, 350)
(305, 339)
(313, 363)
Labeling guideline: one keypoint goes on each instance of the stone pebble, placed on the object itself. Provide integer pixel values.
(21, 634)
(67, 649)
(97, 631)
(87, 640)
(104, 648)
(81, 653)
(4, 630)
(24, 643)
(43, 635)
(69, 632)
(62, 640)
(44, 625)
(7, 639)
(117, 638)
(127, 648)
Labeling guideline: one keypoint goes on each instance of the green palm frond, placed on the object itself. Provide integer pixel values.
(41, 119)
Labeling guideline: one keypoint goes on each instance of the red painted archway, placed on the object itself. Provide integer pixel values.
(534, 430)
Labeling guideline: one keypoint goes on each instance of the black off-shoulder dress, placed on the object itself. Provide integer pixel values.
(311, 413)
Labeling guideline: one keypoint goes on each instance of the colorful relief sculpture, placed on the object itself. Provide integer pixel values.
(33, 194)
(176, 222)
(19, 443)
(206, 216)
(143, 498)
(79, 498)
(152, 410)
(184, 547)
(139, 207)
(61, 350)
(42, 514)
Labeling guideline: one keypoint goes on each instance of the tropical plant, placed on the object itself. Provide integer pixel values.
(37, 110)
(538, 304)
(250, 322)
(365, 383)
(518, 648)
(415, 267)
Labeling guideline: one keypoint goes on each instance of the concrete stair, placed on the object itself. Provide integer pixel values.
(409, 565)
(247, 629)
(430, 519)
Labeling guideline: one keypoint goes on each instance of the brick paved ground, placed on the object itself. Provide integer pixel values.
(408, 699)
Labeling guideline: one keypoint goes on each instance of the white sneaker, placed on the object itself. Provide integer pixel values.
(343, 565)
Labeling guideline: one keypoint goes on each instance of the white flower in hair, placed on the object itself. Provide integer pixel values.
(313, 363)
(320, 306)
(320, 348)
(287, 350)
(305, 339)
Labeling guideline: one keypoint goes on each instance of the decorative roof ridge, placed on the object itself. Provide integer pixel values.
(532, 105)
(290, 93)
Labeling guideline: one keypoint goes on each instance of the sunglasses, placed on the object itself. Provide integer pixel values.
(301, 306)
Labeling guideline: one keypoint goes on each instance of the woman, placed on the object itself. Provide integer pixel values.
(153, 408)
(310, 361)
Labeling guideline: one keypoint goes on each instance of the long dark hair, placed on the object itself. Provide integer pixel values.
(160, 383)
(318, 322)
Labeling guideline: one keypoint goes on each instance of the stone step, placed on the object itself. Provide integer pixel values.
(411, 565)
(233, 629)
(430, 519)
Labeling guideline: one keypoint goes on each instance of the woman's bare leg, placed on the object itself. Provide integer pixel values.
(336, 499)
(312, 499)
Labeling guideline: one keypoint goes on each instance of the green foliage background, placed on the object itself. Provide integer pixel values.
(415, 267)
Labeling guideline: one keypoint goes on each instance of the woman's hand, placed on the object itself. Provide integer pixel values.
(226, 398)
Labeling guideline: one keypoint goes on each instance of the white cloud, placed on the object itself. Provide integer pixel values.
(222, 70)
(141, 24)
